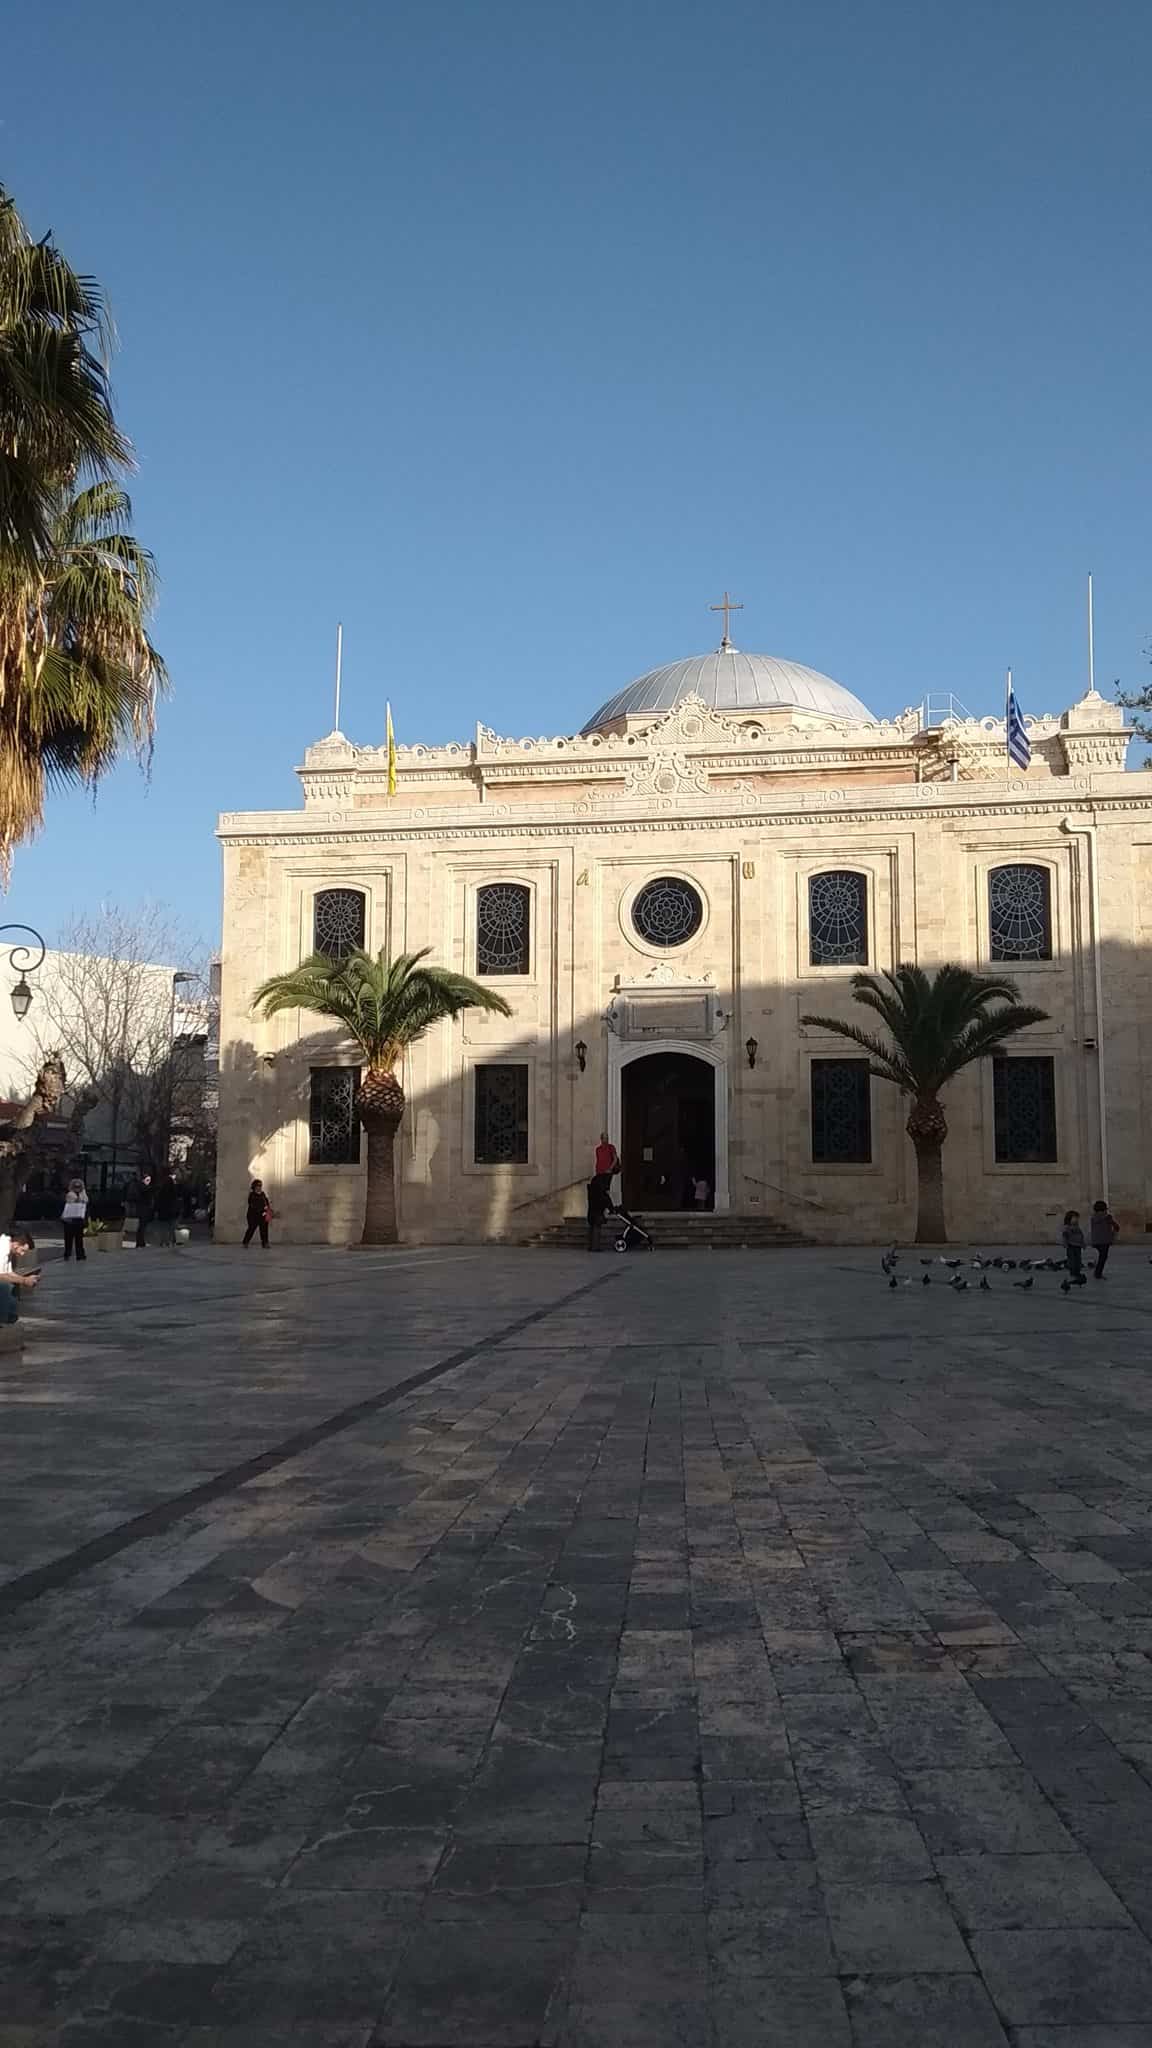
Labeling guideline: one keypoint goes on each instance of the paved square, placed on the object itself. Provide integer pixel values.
(493, 1649)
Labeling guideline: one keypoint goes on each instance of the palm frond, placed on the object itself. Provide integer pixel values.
(937, 1023)
(385, 1005)
(79, 675)
(986, 1036)
(886, 1060)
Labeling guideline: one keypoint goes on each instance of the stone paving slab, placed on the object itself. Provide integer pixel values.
(711, 1651)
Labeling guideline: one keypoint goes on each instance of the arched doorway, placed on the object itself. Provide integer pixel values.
(668, 1129)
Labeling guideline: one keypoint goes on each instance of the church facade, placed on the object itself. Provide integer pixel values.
(661, 898)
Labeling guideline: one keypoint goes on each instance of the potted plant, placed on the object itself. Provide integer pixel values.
(102, 1237)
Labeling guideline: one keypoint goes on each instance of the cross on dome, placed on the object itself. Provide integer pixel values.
(726, 605)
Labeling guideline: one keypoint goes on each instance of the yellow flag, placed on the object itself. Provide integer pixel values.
(391, 754)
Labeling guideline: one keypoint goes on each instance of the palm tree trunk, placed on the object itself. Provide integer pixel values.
(380, 1107)
(930, 1227)
(380, 1191)
(927, 1127)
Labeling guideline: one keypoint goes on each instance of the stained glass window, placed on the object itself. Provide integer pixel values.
(841, 1113)
(503, 912)
(667, 912)
(501, 1116)
(1019, 913)
(1024, 1095)
(338, 922)
(333, 1125)
(838, 919)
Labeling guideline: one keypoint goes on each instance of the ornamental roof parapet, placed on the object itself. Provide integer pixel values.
(682, 748)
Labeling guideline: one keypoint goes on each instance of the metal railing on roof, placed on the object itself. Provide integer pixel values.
(942, 708)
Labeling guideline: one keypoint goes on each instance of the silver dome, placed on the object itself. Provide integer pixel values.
(730, 681)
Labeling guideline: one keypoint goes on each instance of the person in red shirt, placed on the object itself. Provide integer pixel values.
(600, 1188)
(607, 1157)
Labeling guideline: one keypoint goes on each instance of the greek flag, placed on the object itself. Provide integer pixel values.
(1018, 743)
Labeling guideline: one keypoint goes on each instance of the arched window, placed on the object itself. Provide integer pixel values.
(838, 919)
(1020, 913)
(337, 922)
(503, 928)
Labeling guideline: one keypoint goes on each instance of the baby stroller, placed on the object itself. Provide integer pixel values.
(631, 1235)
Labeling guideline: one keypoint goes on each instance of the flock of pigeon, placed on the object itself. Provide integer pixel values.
(960, 1285)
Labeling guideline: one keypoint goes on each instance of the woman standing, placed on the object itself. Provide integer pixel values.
(259, 1214)
(75, 1219)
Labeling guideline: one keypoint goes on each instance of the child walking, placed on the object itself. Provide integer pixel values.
(1074, 1247)
(259, 1214)
(1103, 1229)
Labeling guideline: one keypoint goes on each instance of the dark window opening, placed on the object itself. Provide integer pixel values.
(1020, 913)
(838, 919)
(338, 922)
(1024, 1095)
(333, 1125)
(841, 1113)
(501, 1116)
(503, 928)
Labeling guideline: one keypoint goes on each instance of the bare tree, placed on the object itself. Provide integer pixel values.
(18, 1132)
(129, 1032)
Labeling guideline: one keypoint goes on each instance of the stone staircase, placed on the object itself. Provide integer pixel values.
(684, 1230)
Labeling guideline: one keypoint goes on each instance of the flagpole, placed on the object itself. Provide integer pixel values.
(339, 663)
(1091, 640)
(1007, 711)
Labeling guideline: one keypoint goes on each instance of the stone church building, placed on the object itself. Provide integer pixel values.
(660, 897)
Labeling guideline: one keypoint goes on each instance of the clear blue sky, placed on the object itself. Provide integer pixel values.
(511, 331)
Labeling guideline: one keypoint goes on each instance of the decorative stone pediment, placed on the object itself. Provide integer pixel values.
(665, 1003)
(665, 773)
(693, 721)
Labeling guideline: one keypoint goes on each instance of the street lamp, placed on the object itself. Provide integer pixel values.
(22, 963)
(177, 978)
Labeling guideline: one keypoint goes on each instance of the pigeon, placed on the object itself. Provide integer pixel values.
(926, 1280)
(893, 1281)
(951, 1262)
(1009, 1265)
(1065, 1287)
(984, 1287)
(978, 1263)
(930, 1261)
(1029, 1282)
(1025, 1265)
(907, 1282)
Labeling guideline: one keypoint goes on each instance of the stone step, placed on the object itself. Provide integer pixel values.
(684, 1230)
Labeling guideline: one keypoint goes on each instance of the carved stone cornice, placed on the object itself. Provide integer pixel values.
(1084, 752)
(827, 807)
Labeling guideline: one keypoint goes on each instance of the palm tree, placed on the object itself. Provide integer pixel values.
(385, 1006)
(937, 1024)
(78, 674)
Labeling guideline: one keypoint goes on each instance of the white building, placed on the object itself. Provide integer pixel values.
(661, 896)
